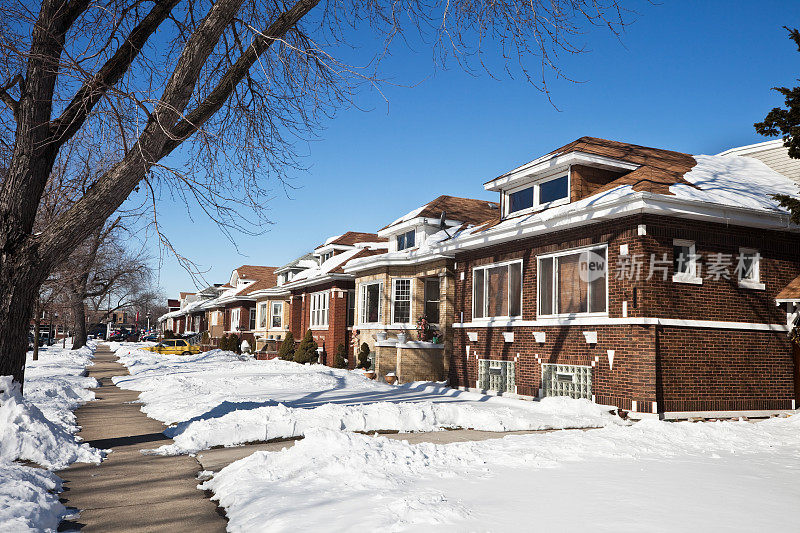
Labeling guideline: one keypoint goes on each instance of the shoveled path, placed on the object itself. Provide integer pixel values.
(130, 491)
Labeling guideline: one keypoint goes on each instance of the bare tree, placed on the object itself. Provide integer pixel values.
(240, 80)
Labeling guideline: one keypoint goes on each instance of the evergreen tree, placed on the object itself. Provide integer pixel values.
(306, 350)
(363, 357)
(286, 351)
(786, 123)
(340, 360)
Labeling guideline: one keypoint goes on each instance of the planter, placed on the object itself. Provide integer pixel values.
(369, 374)
(381, 336)
(390, 378)
(401, 338)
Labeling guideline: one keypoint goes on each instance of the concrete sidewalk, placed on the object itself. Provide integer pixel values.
(130, 491)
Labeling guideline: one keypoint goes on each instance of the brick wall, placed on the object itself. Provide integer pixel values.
(724, 370)
(337, 331)
(680, 368)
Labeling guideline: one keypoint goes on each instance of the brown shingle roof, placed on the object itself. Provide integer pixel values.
(264, 283)
(659, 168)
(255, 272)
(366, 252)
(791, 291)
(467, 210)
(352, 237)
(185, 294)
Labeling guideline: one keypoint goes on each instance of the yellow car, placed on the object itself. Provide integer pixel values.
(174, 347)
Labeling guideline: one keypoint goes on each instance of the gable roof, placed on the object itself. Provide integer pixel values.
(266, 282)
(351, 238)
(657, 170)
(467, 210)
(254, 272)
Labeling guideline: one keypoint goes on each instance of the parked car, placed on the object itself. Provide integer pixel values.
(174, 347)
(151, 337)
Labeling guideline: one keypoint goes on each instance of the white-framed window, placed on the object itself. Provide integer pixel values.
(214, 318)
(546, 193)
(319, 309)
(324, 257)
(406, 240)
(252, 321)
(401, 301)
(497, 290)
(262, 315)
(684, 259)
(748, 268)
(573, 282)
(371, 303)
(277, 314)
(235, 315)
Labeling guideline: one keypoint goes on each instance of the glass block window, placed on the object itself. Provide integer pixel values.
(574, 381)
(498, 376)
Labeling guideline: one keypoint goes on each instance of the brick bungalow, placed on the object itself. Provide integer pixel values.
(637, 277)
(273, 307)
(236, 307)
(396, 289)
(322, 298)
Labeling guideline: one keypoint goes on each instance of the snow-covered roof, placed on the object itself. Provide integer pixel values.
(335, 264)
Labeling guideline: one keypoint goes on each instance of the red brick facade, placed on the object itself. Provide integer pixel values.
(678, 368)
(337, 331)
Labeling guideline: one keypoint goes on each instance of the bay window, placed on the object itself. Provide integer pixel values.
(574, 282)
(262, 315)
(432, 300)
(277, 314)
(497, 290)
(401, 301)
(319, 309)
(371, 312)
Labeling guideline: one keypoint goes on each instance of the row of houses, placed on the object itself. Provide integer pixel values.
(660, 282)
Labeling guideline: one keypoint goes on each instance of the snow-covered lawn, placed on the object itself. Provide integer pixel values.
(39, 428)
(651, 476)
(216, 398)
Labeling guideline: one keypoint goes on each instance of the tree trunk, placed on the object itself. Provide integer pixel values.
(21, 276)
(79, 317)
(36, 327)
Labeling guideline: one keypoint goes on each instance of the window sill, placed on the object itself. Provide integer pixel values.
(574, 315)
(744, 284)
(691, 280)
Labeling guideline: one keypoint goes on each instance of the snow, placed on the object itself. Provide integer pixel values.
(651, 476)
(735, 181)
(409, 216)
(217, 398)
(40, 427)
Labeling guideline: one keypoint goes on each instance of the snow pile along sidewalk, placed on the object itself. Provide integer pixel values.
(279, 421)
(219, 399)
(353, 482)
(39, 427)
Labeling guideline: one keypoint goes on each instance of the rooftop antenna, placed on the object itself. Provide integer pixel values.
(442, 225)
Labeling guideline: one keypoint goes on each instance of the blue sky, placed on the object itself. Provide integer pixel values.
(688, 76)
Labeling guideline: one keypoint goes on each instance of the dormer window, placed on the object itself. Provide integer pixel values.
(406, 240)
(544, 194)
(324, 257)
